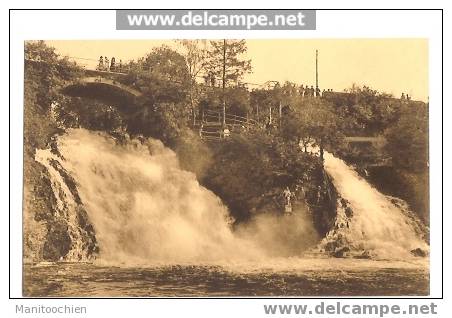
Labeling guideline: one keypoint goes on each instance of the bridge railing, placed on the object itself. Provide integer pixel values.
(88, 66)
(230, 119)
(211, 124)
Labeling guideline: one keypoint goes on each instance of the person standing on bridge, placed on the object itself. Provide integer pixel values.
(107, 64)
(101, 63)
(113, 64)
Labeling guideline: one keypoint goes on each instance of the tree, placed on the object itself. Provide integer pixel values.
(45, 73)
(195, 53)
(407, 139)
(265, 102)
(75, 112)
(289, 93)
(238, 100)
(224, 62)
(227, 54)
(365, 111)
(249, 172)
(260, 102)
(312, 122)
(163, 78)
(48, 72)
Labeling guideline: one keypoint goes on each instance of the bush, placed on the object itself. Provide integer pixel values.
(250, 171)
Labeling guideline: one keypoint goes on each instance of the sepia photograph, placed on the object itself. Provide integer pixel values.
(226, 168)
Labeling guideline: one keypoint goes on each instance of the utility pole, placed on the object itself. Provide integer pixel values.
(224, 82)
(316, 73)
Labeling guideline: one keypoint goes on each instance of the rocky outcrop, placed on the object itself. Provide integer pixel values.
(56, 225)
(336, 243)
(322, 202)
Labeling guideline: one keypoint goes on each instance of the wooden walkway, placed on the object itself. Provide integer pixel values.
(210, 125)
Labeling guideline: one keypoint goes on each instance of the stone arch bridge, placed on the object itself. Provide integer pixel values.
(105, 85)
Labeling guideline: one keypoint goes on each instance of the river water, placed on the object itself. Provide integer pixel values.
(284, 277)
(160, 233)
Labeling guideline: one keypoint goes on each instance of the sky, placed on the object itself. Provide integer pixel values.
(387, 65)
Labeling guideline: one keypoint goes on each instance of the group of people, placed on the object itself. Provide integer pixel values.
(110, 66)
(307, 91)
(405, 97)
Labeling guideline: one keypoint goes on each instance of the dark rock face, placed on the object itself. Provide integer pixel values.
(58, 242)
(347, 209)
(323, 204)
(337, 241)
(419, 252)
(63, 238)
(68, 233)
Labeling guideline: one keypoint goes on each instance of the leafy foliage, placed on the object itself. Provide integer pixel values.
(195, 54)
(75, 112)
(46, 72)
(162, 76)
(312, 121)
(164, 110)
(249, 172)
(364, 111)
(235, 67)
(408, 138)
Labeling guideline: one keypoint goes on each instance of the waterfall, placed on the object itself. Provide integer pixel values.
(142, 205)
(367, 221)
(129, 202)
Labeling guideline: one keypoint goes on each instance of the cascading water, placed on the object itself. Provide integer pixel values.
(368, 221)
(147, 228)
(143, 207)
(131, 201)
